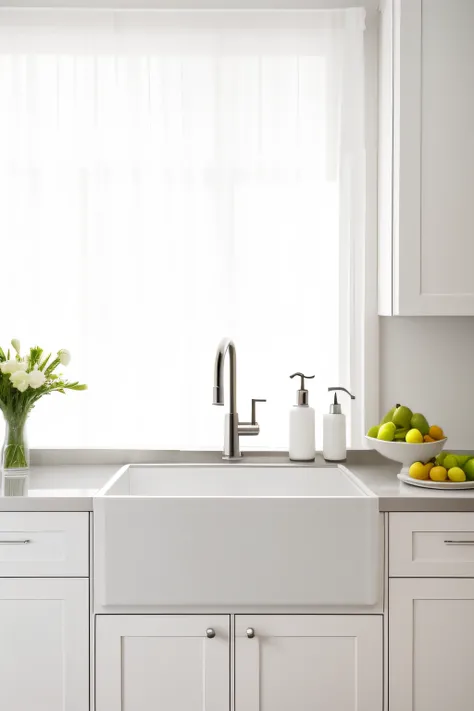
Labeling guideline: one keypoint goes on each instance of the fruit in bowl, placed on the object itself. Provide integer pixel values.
(400, 424)
(407, 437)
(447, 467)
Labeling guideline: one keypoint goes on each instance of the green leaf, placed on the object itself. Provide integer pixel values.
(35, 355)
(52, 366)
(76, 386)
(44, 363)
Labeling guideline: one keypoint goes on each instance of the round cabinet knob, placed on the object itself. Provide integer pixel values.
(210, 633)
(250, 632)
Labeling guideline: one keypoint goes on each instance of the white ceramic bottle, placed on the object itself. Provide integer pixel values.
(302, 426)
(334, 431)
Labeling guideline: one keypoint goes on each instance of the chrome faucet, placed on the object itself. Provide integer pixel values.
(232, 427)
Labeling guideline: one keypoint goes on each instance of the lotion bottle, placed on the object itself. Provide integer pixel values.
(302, 426)
(334, 430)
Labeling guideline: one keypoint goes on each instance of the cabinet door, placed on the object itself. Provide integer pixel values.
(432, 248)
(44, 644)
(164, 662)
(308, 662)
(431, 638)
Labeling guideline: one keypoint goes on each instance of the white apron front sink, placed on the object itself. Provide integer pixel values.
(235, 535)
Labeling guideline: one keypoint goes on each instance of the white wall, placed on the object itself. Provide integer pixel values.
(428, 364)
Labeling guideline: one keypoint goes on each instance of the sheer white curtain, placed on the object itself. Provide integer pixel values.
(170, 178)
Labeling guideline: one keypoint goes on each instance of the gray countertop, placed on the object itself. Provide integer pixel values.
(56, 487)
(67, 480)
(394, 495)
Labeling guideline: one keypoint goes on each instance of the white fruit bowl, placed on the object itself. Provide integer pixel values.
(406, 453)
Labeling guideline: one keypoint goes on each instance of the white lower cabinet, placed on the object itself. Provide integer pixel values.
(169, 662)
(308, 662)
(282, 662)
(431, 649)
(44, 644)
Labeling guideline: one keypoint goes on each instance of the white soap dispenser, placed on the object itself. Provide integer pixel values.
(334, 431)
(302, 425)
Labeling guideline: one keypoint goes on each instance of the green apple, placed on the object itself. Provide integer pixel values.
(387, 432)
(463, 459)
(419, 422)
(373, 431)
(450, 461)
(469, 469)
(388, 416)
(402, 416)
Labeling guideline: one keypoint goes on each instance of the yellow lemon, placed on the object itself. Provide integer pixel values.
(414, 437)
(438, 474)
(456, 474)
(428, 467)
(418, 471)
(436, 432)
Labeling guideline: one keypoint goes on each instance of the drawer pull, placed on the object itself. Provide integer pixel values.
(15, 543)
(459, 543)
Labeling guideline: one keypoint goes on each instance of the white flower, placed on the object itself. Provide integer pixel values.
(16, 345)
(20, 380)
(12, 366)
(64, 356)
(36, 378)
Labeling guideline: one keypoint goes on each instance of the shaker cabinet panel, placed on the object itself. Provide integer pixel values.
(431, 638)
(169, 662)
(308, 662)
(44, 644)
(42, 545)
(426, 169)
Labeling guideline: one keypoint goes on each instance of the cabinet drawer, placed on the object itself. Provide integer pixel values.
(431, 545)
(44, 545)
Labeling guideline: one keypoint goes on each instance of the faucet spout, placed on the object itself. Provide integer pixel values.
(233, 429)
(225, 346)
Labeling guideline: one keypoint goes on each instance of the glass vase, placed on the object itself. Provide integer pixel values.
(15, 452)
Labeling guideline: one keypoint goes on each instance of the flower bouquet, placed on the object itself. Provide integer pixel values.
(23, 381)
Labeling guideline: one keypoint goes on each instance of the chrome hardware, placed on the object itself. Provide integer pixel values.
(254, 409)
(250, 633)
(303, 397)
(210, 633)
(335, 408)
(459, 543)
(15, 543)
(251, 428)
(233, 428)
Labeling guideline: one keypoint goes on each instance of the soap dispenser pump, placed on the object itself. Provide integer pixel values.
(334, 430)
(302, 425)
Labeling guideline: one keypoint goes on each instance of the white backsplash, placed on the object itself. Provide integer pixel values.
(428, 364)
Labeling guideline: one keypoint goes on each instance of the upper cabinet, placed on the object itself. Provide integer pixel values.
(426, 158)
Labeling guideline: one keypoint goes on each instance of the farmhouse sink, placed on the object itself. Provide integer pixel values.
(235, 535)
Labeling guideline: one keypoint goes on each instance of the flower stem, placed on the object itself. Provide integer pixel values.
(15, 450)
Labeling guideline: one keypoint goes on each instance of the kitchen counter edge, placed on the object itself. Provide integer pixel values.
(68, 480)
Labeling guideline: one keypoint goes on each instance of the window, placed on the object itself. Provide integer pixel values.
(169, 178)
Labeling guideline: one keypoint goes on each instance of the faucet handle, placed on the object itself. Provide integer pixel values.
(254, 409)
(250, 428)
